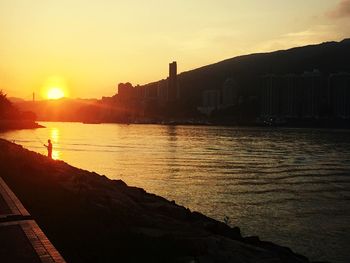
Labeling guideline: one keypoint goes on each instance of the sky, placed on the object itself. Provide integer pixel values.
(87, 47)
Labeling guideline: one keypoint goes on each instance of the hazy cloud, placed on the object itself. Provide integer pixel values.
(342, 10)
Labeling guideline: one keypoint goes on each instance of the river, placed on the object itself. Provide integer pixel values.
(288, 186)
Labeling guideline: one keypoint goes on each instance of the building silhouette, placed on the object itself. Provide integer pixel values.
(339, 87)
(162, 91)
(293, 96)
(150, 100)
(173, 87)
(270, 104)
(311, 94)
(229, 93)
(221, 98)
(125, 91)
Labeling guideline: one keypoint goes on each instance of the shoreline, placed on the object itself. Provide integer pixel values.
(90, 218)
(6, 125)
(215, 124)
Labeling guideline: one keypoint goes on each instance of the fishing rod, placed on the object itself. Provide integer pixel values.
(37, 138)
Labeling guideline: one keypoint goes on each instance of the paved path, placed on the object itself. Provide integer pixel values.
(21, 239)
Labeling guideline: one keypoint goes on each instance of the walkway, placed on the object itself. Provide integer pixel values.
(21, 239)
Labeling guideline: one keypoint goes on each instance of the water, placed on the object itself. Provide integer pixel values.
(289, 186)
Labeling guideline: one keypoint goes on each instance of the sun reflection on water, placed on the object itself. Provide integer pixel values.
(55, 137)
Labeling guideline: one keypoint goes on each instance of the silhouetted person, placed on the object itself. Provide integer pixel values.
(49, 148)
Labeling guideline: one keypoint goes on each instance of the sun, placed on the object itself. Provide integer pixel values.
(55, 93)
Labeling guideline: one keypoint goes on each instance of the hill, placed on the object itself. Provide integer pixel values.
(329, 57)
(243, 75)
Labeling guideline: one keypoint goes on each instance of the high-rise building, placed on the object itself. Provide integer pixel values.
(293, 96)
(210, 101)
(230, 92)
(339, 86)
(311, 83)
(270, 95)
(173, 87)
(290, 96)
(162, 91)
(125, 91)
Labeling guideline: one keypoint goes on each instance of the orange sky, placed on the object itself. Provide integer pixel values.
(87, 47)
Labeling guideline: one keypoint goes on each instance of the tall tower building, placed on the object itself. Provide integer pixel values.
(339, 85)
(173, 88)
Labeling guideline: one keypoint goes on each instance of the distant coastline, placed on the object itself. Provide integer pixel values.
(283, 88)
(18, 125)
(318, 124)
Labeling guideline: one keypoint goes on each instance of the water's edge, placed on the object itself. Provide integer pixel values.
(161, 230)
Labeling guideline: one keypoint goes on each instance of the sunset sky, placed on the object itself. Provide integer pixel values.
(87, 46)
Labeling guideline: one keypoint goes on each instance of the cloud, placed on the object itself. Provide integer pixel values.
(335, 28)
(342, 10)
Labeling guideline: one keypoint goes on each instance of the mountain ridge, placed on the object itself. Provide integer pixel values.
(247, 70)
(346, 41)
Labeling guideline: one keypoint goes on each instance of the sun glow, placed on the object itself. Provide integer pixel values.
(54, 87)
(55, 93)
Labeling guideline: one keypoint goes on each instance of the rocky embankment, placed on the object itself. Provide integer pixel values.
(90, 218)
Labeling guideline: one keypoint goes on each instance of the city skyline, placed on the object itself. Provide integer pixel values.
(86, 49)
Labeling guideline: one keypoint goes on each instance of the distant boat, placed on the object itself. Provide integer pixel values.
(271, 122)
(91, 122)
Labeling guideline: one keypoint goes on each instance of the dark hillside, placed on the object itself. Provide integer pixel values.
(327, 57)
